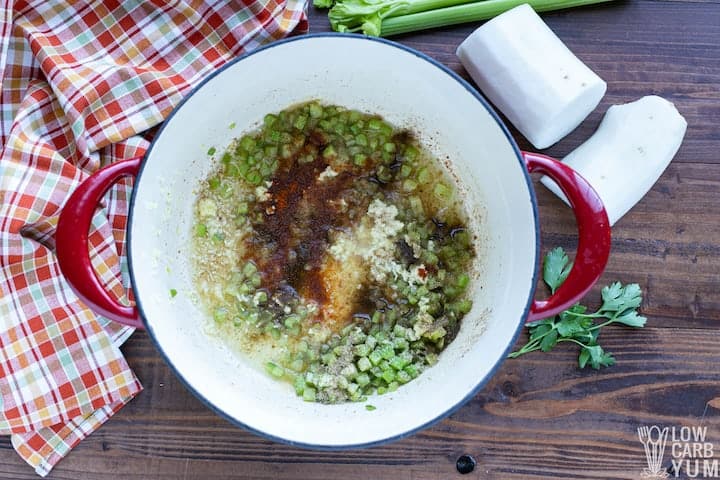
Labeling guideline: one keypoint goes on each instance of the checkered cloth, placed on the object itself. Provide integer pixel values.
(80, 84)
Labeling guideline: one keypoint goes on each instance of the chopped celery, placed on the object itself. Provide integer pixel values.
(441, 191)
(270, 120)
(274, 369)
(309, 394)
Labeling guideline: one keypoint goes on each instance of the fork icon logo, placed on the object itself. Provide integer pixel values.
(654, 439)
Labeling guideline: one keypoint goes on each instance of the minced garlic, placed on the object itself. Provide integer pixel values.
(327, 173)
(374, 241)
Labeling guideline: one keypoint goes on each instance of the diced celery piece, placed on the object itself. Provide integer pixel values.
(298, 365)
(423, 175)
(388, 375)
(400, 344)
(375, 124)
(409, 185)
(316, 110)
(292, 320)
(309, 394)
(220, 314)
(270, 120)
(362, 379)
(275, 136)
(362, 350)
(300, 122)
(247, 143)
(329, 152)
(275, 333)
(249, 268)
(328, 358)
(352, 388)
(411, 153)
(274, 369)
(261, 297)
(386, 351)
(375, 357)
(349, 371)
(442, 191)
(416, 205)
(364, 364)
(464, 306)
(412, 370)
(299, 385)
(436, 334)
(403, 377)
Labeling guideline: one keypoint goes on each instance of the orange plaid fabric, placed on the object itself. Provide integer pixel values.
(80, 85)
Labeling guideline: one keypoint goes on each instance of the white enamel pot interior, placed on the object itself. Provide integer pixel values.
(407, 89)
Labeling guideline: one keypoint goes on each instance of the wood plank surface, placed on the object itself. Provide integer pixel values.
(540, 417)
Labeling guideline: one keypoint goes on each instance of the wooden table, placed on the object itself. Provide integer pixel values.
(540, 416)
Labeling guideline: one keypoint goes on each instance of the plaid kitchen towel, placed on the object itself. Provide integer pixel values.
(80, 84)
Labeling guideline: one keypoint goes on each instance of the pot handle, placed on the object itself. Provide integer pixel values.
(593, 235)
(71, 243)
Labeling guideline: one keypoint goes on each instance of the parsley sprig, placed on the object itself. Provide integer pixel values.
(576, 325)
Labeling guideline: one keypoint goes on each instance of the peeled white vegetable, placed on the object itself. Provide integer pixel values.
(627, 154)
(530, 75)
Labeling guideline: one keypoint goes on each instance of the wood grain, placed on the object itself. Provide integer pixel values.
(540, 417)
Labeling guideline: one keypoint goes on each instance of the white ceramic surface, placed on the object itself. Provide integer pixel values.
(408, 90)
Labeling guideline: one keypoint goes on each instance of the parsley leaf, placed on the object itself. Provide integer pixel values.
(549, 340)
(576, 325)
(540, 331)
(596, 357)
(631, 319)
(556, 268)
(617, 298)
(570, 326)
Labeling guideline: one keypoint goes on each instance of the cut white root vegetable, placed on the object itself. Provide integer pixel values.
(627, 154)
(530, 75)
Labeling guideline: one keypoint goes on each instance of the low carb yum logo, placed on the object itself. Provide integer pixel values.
(690, 452)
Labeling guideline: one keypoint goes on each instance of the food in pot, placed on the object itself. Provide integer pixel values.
(333, 248)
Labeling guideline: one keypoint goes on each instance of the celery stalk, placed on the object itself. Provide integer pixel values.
(393, 17)
(367, 15)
